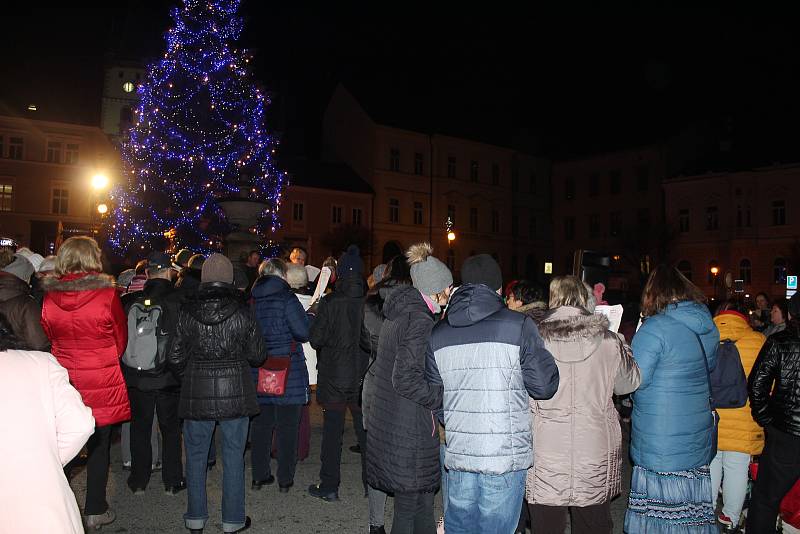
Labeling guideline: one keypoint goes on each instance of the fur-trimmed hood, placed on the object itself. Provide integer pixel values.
(574, 326)
(73, 290)
(535, 310)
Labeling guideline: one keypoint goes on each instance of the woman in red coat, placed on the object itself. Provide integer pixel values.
(83, 317)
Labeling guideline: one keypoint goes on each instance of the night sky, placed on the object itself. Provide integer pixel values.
(565, 82)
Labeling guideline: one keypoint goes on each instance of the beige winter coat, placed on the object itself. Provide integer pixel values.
(577, 439)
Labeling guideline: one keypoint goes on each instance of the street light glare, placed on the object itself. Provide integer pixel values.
(451, 236)
(102, 209)
(99, 181)
(715, 270)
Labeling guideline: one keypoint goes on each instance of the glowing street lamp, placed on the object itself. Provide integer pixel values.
(102, 209)
(99, 181)
(715, 270)
(451, 236)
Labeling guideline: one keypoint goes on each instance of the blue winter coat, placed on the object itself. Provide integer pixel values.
(282, 319)
(672, 420)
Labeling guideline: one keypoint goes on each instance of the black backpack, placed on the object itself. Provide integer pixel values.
(147, 341)
(728, 381)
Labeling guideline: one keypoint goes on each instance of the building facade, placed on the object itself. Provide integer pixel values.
(496, 198)
(120, 98)
(745, 224)
(46, 171)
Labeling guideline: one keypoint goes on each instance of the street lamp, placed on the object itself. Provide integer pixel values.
(714, 272)
(102, 209)
(99, 181)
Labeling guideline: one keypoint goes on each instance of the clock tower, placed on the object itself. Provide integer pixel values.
(120, 97)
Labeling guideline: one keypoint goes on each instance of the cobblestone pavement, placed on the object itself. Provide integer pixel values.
(272, 512)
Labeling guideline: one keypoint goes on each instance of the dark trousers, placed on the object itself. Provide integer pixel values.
(98, 448)
(143, 405)
(524, 517)
(331, 455)
(413, 514)
(778, 470)
(594, 519)
(285, 420)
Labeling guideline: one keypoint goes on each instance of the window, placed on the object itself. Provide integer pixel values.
(642, 178)
(417, 212)
(532, 183)
(125, 118)
(569, 228)
(615, 223)
(745, 271)
(594, 225)
(60, 201)
(451, 213)
(451, 167)
(514, 180)
(683, 221)
(532, 230)
(685, 269)
(712, 218)
(357, 216)
(473, 171)
(778, 213)
(779, 270)
(615, 182)
(336, 214)
(569, 188)
(297, 211)
(514, 225)
(394, 210)
(53, 152)
(418, 163)
(71, 154)
(394, 160)
(6, 195)
(15, 145)
(594, 185)
(495, 174)
(451, 259)
(495, 221)
(643, 218)
(473, 219)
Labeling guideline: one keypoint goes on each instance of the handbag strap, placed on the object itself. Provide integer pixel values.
(708, 372)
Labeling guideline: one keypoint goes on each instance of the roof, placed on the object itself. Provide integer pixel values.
(326, 175)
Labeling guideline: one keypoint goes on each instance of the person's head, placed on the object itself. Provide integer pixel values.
(780, 312)
(124, 279)
(6, 257)
(196, 262)
(47, 266)
(296, 276)
(141, 267)
(482, 269)
(298, 256)
(217, 268)
(79, 254)
(522, 293)
(377, 273)
(762, 301)
(568, 291)
(733, 306)
(397, 270)
(240, 280)
(273, 267)
(665, 286)
(8, 339)
(159, 265)
(429, 275)
(181, 260)
(350, 263)
(330, 263)
(253, 258)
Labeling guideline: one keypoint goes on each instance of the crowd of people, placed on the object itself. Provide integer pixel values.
(501, 397)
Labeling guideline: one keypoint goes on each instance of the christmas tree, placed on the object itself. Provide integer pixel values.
(198, 136)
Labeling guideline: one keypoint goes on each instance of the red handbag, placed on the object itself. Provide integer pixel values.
(273, 375)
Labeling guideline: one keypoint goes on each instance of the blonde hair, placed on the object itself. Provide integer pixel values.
(568, 291)
(79, 254)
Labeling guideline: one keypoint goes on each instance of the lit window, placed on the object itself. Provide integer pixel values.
(6, 196)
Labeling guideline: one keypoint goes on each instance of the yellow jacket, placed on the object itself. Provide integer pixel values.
(737, 430)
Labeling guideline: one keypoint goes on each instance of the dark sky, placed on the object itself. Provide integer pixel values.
(576, 78)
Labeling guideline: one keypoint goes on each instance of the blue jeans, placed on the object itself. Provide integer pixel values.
(483, 503)
(197, 440)
(729, 468)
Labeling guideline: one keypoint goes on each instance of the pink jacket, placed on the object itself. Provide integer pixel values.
(577, 441)
(46, 425)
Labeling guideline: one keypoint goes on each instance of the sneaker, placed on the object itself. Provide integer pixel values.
(440, 526)
(247, 523)
(377, 530)
(96, 522)
(329, 496)
(174, 489)
(724, 520)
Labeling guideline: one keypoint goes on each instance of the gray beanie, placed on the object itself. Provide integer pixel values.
(125, 277)
(21, 268)
(428, 274)
(217, 268)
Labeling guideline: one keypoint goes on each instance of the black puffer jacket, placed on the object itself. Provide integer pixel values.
(402, 439)
(778, 363)
(336, 335)
(217, 340)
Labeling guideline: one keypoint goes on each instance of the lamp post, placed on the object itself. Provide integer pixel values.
(715, 272)
(99, 184)
(451, 237)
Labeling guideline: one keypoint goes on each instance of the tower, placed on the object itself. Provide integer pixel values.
(119, 97)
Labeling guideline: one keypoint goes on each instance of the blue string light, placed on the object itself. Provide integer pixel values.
(198, 135)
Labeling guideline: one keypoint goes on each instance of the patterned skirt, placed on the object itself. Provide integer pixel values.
(670, 503)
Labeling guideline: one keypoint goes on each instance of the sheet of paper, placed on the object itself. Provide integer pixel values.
(614, 314)
(308, 350)
(313, 272)
(322, 283)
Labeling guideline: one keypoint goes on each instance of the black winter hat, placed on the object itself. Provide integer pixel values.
(350, 262)
(482, 269)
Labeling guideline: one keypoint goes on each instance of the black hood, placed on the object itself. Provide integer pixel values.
(351, 285)
(157, 287)
(471, 304)
(269, 285)
(402, 300)
(214, 302)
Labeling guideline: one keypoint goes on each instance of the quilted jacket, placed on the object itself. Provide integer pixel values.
(775, 382)
(217, 340)
(22, 311)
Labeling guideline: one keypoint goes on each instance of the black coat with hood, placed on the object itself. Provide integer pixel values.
(336, 336)
(402, 438)
(775, 381)
(217, 341)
